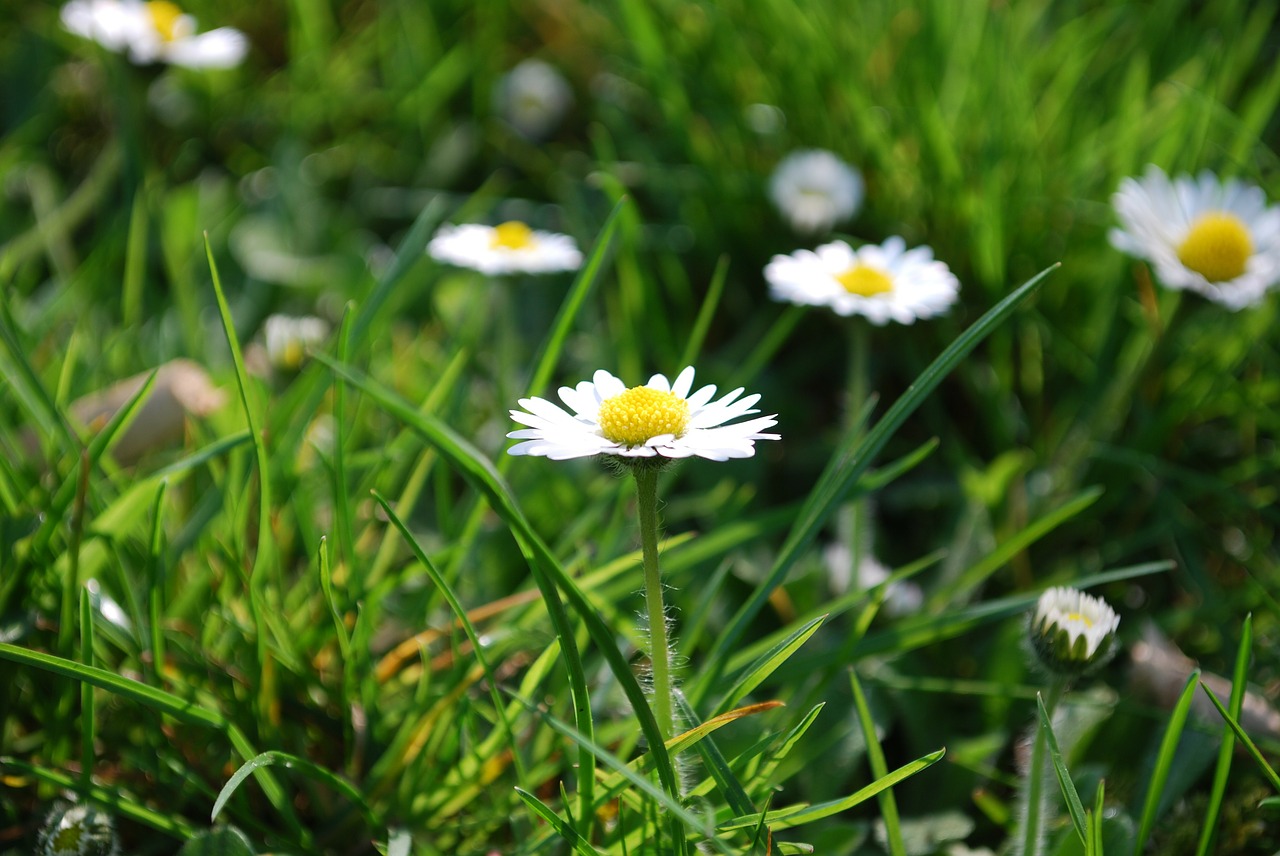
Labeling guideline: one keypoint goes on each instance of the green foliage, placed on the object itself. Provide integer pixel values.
(327, 609)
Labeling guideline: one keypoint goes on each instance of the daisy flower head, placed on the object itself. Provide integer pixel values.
(885, 282)
(662, 419)
(154, 31)
(1218, 239)
(511, 247)
(533, 97)
(288, 337)
(1073, 632)
(814, 189)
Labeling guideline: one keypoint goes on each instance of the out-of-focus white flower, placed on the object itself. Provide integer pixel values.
(901, 598)
(533, 97)
(1218, 239)
(155, 31)
(1073, 632)
(660, 418)
(815, 190)
(508, 248)
(79, 830)
(884, 282)
(288, 337)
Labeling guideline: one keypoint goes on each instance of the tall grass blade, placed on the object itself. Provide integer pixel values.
(1164, 762)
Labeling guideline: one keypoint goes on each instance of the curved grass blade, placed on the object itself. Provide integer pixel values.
(785, 818)
(1074, 807)
(563, 829)
(1244, 738)
(879, 769)
(847, 474)
(1227, 749)
(1164, 762)
(293, 762)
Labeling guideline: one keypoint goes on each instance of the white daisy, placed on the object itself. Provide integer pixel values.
(509, 248)
(884, 283)
(1073, 631)
(659, 418)
(814, 190)
(1218, 239)
(533, 97)
(287, 339)
(155, 31)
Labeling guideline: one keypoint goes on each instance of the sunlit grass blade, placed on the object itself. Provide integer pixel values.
(703, 322)
(765, 666)
(1074, 807)
(786, 818)
(293, 762)
(155, 586)
(1164, 762)
(806, 527)
(1225, 752)
(879, 769)
(563, 829)
(263, 555)
(460, 613)
(734, 793)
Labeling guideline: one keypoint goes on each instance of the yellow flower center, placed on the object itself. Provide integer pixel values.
(865, 280)
(1217, 247)
(641, 413)
(1081, 617)
(164, 17)
(512, 236)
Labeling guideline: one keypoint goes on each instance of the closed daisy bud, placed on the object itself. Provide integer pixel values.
(1073, 633)
(79, 830)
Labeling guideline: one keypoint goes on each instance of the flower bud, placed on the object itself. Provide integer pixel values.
(1072, 632)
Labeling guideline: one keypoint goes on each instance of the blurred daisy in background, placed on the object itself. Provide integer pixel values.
(660, 418)
(156, 31)
(533, 98)
(884, 282)
(902, 597)
(1218, 239)
(511, 247)
(814, 189)
(288, 338)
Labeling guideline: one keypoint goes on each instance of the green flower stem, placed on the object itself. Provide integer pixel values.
(1032, 826)
(659, 646)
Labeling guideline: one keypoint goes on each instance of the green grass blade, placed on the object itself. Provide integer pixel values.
(702, 323)
(583, 285)
(806, 528)
(1095, 829)
(879, 769)
(263, 554)
(407, 255)
(155, 586)
(26, 384)
(1225, 752)
(1074, 807)
(734, 793)
(1164, 762)
(1244, 738)
(563, 829)
(86, 692)
(460, 612)
(292, 762)
(765, 666)
(786, 818)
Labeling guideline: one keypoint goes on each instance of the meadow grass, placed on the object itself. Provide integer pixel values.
(332, 613)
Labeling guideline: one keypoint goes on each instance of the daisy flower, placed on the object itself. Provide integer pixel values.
(533, 97)
(1218, 239)
(509, 248)
(155, 31)
(884, 283)
(287, 339)
(1071, 631)
(660, 418)
(814, 190)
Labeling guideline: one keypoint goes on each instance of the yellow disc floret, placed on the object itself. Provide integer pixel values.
(865, 280)
(165, 17)
(1217, 247)
(512, 236)
(1081, 617)
(641, 413)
